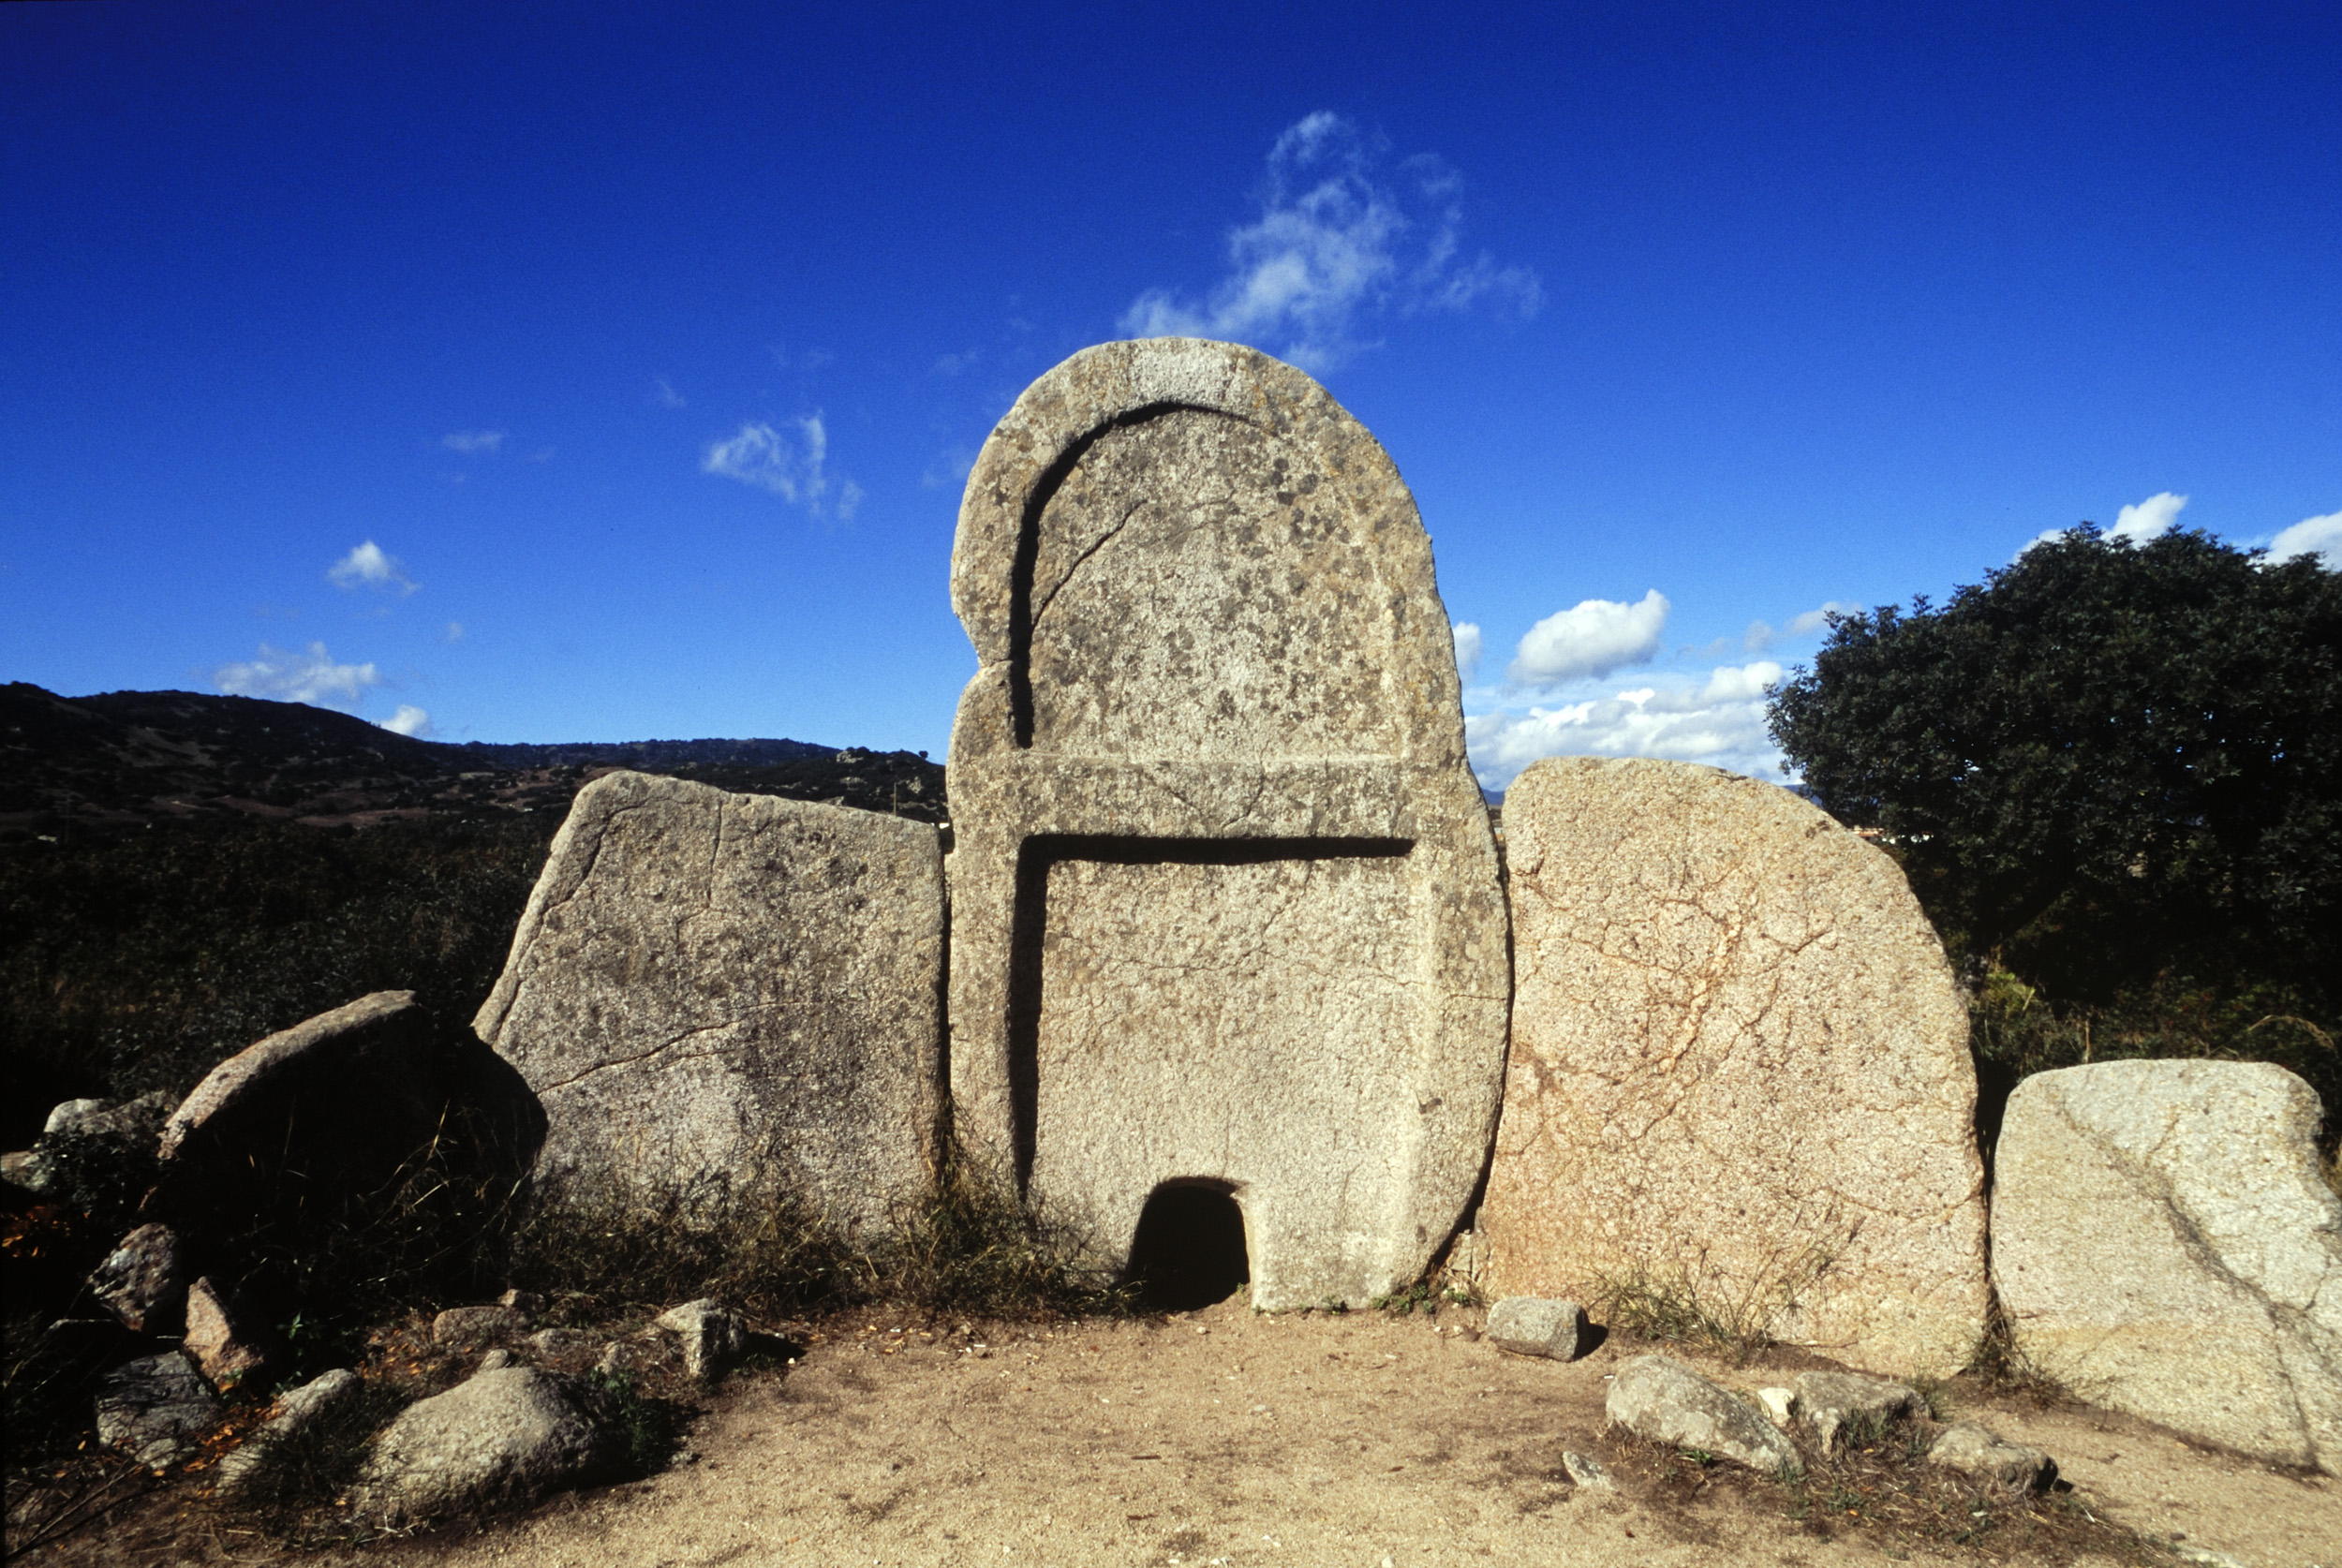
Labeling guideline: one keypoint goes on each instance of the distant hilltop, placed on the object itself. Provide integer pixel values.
(121, 759)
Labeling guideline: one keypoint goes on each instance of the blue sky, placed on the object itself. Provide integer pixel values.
(579, 372)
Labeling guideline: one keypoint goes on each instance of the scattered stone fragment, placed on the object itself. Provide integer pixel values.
(468, 1327)
(1585, 1470)
(711, 990)
(527, 1303)
(1778, 1402)
(1533, 1325)
(550, 1341)
(1667, 1402)
(1740, 1067)
(627, 1358)
(296, 1413)
(1977, 1450)
(497, 1359)
(1224, 901)
(23, 1167)
(2165, 1244)
(713, 1337)
(224, 1343)
(134, 1122)
(502, 1436)
(1835, 1403)
(141, 1281)
(157, 1407)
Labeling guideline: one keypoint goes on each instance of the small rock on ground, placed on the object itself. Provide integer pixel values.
(466, 1326)
(1535, 1325)
(142, 1280)
(227, 1348)
(712, 1337)
(296, 1413)
(157, 1407)
(1667, 1402)
(1585, 1470)
(503, 1437)
(1980, 1452)
(1832, 1402)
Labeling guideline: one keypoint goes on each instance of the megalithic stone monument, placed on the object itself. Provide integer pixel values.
(1226, 908)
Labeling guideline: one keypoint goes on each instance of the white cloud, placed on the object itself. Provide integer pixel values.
(663, 393)
(2150, 519)
(1598, 636)
(1337, 244)
(473, 441)
(297, 678)
(454, 631)
(792, 470)
(2320, 536)
(1807, 622)
(409, 720)
(368, 567)
(1467, 648)
(1720, 723)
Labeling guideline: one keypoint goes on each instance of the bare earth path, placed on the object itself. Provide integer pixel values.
(1230, 1438)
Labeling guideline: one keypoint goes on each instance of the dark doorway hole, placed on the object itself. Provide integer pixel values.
(1189, 1251)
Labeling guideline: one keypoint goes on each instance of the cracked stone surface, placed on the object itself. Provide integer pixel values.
(1224, 896)
(2163, 1243)
(712, 987)
(1740, 1069)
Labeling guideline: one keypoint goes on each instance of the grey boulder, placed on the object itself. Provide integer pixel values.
(2164, 1243)
(1665, 1402)
(469, 1327)
(1533, 1325)
(157, 1407)
(297, 1413)
(713, 1337)
(1835, 1403)
(507, 1436)
(222, 1337)
(1978, 1451)
(142, 1281)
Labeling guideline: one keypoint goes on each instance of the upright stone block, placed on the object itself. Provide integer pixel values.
(708, 985)
(1740, 1069)
(2165, 1244)
(1224, 901)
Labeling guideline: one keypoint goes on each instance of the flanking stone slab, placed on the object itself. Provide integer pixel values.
(1740, 1070)
(2164, 1244)
(736, 987)
(1224, 898)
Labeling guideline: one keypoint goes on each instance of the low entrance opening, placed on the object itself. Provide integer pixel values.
(1189, 1251)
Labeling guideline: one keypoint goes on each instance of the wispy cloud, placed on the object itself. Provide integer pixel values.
(310, 677)
(2320, 536)
(1720, 721)
(368, 566)
(454, 632)
(1761, 635)
(952, 364)
(792, 470)
(1467, 648)
(410, 721)
(1592, 639)
(474, 440)
(1340, 242)
(664, 394)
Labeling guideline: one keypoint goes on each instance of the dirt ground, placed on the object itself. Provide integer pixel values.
(1228, 1437)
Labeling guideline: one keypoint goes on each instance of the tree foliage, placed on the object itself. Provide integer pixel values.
(2109, 768)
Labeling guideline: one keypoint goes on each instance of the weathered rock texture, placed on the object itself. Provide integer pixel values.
(1665, 1402)
(711, 984)
(334, 1106)
(1532, 1326)
(143, 1282)
(1980, 1452)
(2163, 1244)
(712, 1335)
(1224, 896)
(318, 1401)
(157, 1407)
(503, 1437)
(222, 1337)
(1740, 1069)
(1834, 1402)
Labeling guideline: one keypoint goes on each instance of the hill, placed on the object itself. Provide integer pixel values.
(181, 874)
